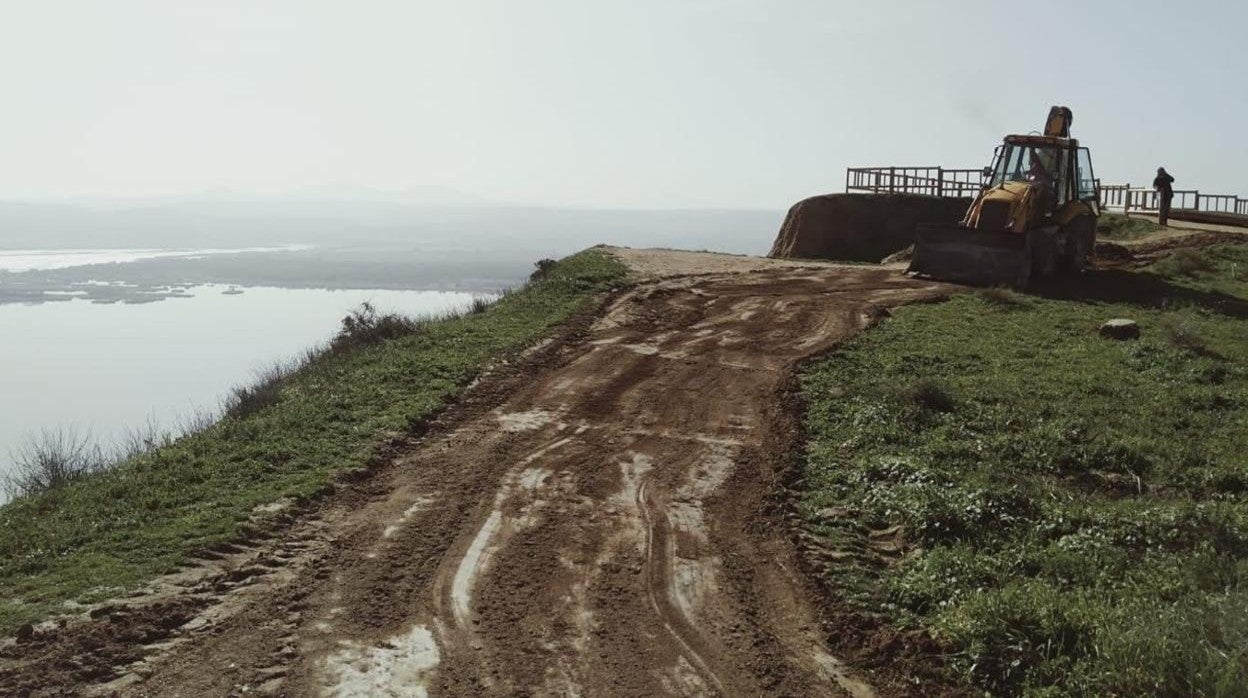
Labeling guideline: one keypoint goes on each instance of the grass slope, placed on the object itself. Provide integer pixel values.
(1073, 510)
(1115, 226)
(106, 533)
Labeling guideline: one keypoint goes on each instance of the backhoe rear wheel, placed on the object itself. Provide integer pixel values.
(1080, 239)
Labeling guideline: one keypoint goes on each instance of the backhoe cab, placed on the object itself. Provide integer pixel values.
(1035, 216)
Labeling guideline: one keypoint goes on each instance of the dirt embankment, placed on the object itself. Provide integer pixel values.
(602, 525)
(860, 227)
(1145, 251)
(1237, 220)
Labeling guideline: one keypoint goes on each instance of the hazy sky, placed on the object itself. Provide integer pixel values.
(726, 103)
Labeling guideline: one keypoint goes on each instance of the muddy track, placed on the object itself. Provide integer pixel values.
(1133, 254)
(599, 526)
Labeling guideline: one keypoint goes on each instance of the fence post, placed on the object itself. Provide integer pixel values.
(847, 169)
(892, 178)
(940, 181)
(1126, 199)
(1196, 198)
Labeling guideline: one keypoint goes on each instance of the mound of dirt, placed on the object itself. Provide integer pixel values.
(860, 227)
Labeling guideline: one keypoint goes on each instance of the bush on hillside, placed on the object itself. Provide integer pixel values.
(543, 270)
(51, 460)
(264, 391)
(364, 325)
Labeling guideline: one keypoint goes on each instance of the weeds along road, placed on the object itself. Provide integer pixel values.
(601, 523)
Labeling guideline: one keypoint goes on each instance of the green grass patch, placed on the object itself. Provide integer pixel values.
(1074, 509)
(104, 533)
(1115, 226)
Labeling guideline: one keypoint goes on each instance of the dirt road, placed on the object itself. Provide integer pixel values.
(599, 522)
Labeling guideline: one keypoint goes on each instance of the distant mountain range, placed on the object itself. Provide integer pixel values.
(428, 218)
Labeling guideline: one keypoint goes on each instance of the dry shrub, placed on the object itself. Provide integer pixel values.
(543, 270)
(263, 392)
(364, 325)
(52, 459)
(479, 305)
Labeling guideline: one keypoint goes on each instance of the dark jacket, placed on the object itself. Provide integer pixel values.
(1162, 183)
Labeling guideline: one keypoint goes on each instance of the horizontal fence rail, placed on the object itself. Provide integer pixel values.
(930, 181)
(939, 181)
(1126, 198)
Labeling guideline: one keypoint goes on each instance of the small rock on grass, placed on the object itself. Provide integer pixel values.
(1120, 328)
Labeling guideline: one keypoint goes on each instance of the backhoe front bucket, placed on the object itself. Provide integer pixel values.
(977, 257)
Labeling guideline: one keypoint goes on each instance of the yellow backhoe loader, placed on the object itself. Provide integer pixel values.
(1035, 216)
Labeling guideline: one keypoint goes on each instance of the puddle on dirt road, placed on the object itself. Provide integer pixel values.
(694, 573)
(471, 566)
(487, 542)
(632, 470)
(407, 514)
(836, 670)
(398, 668)
(532, 420)
(682, 679)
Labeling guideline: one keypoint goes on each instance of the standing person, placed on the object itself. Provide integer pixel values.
(1163, 183)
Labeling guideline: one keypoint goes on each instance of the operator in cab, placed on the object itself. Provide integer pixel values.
(1041, 175)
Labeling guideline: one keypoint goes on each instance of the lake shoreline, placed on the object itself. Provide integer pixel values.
(108, 368)
(163, 277)
(99, 536)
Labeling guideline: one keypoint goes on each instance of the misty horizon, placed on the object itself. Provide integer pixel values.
(532, 231)
(722, 105)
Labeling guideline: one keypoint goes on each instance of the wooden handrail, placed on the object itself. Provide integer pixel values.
(1128, 198)
(930, 180)
(933, 180)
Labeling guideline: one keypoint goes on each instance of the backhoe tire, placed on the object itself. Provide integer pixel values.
(1080, 239)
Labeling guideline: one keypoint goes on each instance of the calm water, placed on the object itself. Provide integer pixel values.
(106, 368)
(30, 260)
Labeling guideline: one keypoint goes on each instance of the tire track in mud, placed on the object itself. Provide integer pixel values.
(661, 588)
(600, 528)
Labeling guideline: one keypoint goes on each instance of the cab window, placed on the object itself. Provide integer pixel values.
(1084, 176)
(1023, 163)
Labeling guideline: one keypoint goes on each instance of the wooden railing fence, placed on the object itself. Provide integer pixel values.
(930, 181)
(1126, 198)
(939, 181)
